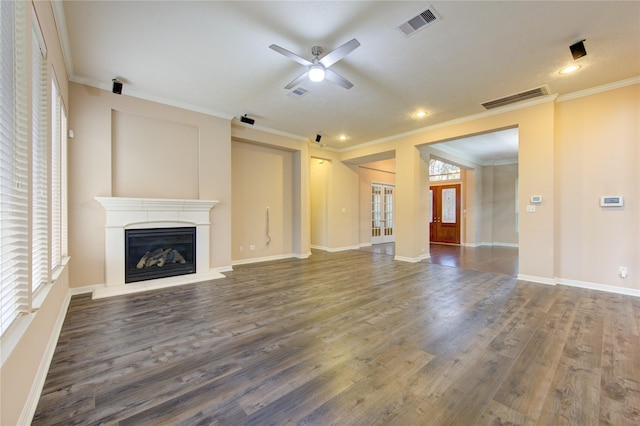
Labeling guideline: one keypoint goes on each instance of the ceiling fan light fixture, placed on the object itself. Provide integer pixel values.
(316, 73)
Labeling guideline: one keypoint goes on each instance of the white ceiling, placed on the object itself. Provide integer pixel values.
(214, 57)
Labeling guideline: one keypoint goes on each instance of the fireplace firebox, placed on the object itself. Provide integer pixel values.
(159, 253)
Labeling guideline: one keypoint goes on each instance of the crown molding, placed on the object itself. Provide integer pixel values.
(461, 120)
(599, 89)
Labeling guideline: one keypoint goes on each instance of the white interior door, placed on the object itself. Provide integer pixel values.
(382, 216)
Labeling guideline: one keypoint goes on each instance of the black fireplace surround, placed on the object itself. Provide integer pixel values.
(159, 253)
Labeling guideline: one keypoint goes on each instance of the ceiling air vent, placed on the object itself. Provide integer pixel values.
(298, 92)
(418, 22)
(512, 99)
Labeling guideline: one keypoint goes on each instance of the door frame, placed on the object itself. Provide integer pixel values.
(386, 234)
(434, 223)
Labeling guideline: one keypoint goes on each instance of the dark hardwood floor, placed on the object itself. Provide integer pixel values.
(348, 338)
(498, 259)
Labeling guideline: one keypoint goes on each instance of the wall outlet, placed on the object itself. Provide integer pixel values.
(241, 249)
(623, 272)
(252, 247)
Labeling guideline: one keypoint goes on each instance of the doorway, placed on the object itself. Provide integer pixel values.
(382, 213)
(444, 218)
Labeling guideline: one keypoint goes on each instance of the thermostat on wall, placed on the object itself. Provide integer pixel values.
(611, 201)
(536, 199)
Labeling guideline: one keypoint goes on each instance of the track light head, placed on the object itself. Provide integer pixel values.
(247, 120)
(578, 50)
(117, 86)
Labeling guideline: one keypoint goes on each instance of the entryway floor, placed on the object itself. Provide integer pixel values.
(500, 260)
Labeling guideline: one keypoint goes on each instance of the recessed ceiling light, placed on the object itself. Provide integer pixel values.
(342, 138)
(420, 114)
(570, 69)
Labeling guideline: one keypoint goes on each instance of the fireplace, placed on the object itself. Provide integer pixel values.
(159, 253)
(127, 214)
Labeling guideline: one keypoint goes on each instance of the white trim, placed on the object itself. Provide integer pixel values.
(63, 34)
(302, 255)
(108, 291)
(412, 259)
(485, 244)
(599, 89)
(29, 409)
(336, 249)
(265, 259)
(85, 289)
(599, 287)
(534, 279)
(461, 120)
(222, 269)
(365, 245)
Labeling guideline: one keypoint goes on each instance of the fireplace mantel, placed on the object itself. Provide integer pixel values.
(128, 213)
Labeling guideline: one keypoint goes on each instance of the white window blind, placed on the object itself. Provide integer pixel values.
(39, 167)
(14, 179)
(62, 163)
(56, 137)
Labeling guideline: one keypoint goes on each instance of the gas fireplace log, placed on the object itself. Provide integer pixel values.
(143, 260)
(162, 259)
(178, 258)
(159, 257)
(153, 257)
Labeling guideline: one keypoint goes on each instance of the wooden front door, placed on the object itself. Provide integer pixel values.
(444, 220)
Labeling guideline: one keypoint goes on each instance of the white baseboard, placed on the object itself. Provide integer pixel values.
(494, 244)
(29, 409)
(264, 259)
(221, 269)
(534, 279)
(581, 284)
(361, 245)
(412, 259)
(599, 287)
(83, 290)
(336, 249)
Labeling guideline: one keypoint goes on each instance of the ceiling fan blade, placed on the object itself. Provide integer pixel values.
(339, 53)
(290, 55)
(297, 81)
(334, 77)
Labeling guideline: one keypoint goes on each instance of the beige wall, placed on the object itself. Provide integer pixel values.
(262, 178)
(498, 204)
(334, 201)
(597, 151)
(23, 369)
(143, 135)
(320, 176)
(300, 218)
(153, 158)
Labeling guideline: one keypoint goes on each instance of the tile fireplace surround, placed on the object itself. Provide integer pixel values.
(144, 213)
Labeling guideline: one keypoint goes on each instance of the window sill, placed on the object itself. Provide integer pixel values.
(11, 337)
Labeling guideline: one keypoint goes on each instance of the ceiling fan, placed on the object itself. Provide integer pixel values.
(318, 67)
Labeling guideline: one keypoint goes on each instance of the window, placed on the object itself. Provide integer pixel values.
(14, 167)
(58, 178)
(33, 192)
(39, 165)
(439, 170)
